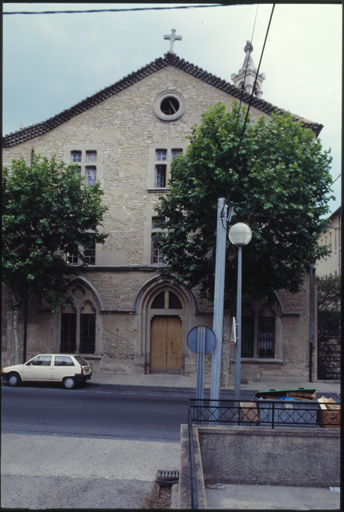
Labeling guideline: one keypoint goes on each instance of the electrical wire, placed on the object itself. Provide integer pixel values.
(248, 60)
(255, 81)
(336, 179)
(92, 11)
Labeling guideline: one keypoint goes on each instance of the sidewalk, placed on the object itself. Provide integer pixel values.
(177, 382)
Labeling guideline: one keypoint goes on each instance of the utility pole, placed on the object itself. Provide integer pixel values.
(223, 217)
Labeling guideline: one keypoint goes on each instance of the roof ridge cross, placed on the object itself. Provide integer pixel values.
(172, 37)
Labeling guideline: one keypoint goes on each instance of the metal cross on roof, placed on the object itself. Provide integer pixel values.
(173, 38)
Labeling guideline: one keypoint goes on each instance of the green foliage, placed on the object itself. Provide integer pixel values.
(279, 183)
(47, 210)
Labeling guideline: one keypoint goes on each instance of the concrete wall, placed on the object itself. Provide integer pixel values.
(298, 457)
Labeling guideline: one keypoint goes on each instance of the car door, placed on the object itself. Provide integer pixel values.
(63, 367)
(38, 368)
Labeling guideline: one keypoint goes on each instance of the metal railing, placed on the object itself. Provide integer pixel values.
(270, 413)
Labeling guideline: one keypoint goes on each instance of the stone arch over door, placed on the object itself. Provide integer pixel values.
(165, 313)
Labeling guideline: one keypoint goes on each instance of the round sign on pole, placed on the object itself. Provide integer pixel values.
(210, 339)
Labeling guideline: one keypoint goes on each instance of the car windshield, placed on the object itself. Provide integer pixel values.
(81, 360)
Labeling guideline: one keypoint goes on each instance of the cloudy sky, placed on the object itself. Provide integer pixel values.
(53, 61)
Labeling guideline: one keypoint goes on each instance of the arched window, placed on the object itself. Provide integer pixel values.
(166, 300)
(78, 323)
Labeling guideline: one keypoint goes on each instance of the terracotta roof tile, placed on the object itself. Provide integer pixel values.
(33, 131)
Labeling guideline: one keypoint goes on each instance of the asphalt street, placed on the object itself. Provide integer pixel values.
(93, 412)
(89, 448)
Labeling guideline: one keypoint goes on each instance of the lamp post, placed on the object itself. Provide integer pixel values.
(240, 234)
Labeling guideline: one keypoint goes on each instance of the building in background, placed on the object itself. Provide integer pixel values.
(330, 266)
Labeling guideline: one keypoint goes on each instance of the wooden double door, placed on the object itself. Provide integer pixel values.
(166, 344)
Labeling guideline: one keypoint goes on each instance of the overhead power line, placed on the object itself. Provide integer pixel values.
(248, 60)
(92, 11)
(255, 81)
(336, 178)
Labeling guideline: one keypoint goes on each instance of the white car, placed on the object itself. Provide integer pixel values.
(65, 368)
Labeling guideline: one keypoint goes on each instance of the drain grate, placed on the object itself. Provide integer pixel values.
(167, 478)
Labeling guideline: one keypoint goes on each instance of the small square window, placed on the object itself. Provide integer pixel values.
(91, 156)
(160, 176)
(76, 156)
(161, 155)
(176, 152)
(158, 222)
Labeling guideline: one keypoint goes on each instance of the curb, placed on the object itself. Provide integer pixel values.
(138, 387)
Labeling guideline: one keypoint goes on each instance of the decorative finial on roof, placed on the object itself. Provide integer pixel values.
(173, 38)
(247, 74)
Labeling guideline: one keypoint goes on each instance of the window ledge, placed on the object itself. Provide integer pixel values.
(260, 360)
(158, 189)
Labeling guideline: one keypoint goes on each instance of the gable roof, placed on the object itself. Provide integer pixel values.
(36, 130)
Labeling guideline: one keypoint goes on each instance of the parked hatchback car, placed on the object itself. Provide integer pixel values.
(65, 368)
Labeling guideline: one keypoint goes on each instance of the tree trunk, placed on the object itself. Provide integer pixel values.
(16, 333)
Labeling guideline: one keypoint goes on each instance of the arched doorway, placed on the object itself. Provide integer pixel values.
(166, 313)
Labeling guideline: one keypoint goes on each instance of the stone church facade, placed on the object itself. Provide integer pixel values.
(124, 317)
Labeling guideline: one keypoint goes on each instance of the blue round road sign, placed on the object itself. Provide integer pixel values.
(201, 330)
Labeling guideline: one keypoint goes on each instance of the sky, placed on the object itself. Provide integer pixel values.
(53, 61)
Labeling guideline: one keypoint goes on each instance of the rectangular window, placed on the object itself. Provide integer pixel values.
(158, 222)
(247, 336)
(68, 333)
(76, 156)
(91, 156)
(156, 256)
(176, 152)
(266, 337)
(90, 256)
(160, 176)
(91, 176)
(72, 256)
(160, 155)
(87, 333)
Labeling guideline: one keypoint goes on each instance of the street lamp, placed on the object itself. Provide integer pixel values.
(240, 234)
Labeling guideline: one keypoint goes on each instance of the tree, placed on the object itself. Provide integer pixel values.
(47, 213)
(278, 180)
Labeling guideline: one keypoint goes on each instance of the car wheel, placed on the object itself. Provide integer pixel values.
(69, 383)
(13, 379)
